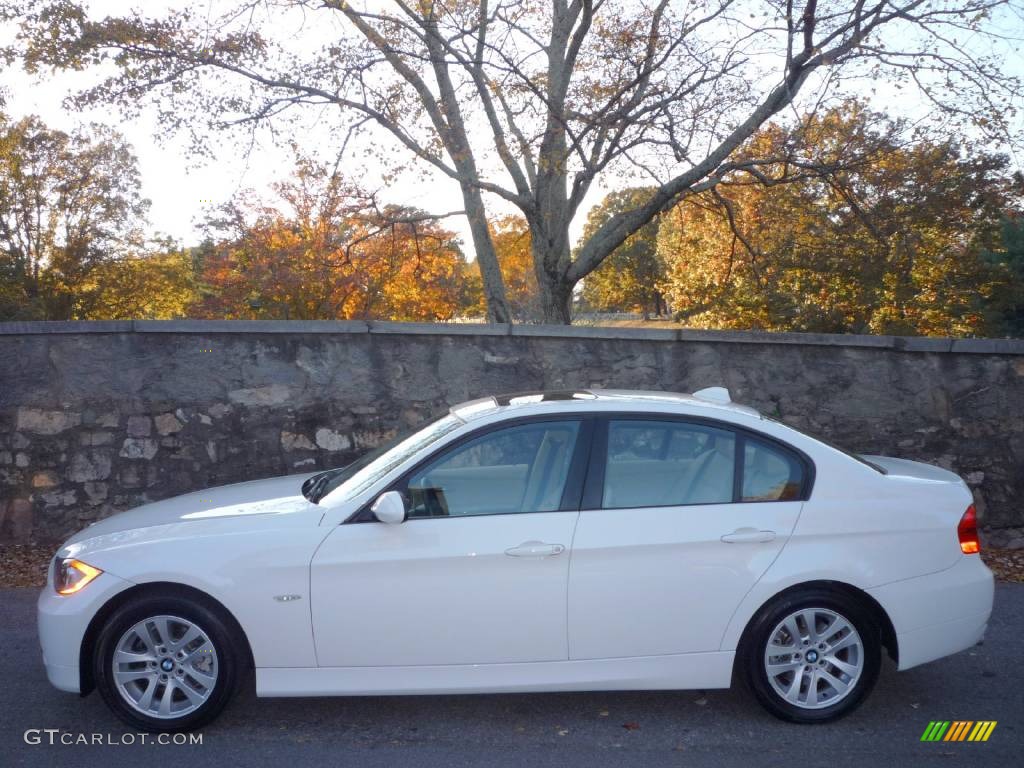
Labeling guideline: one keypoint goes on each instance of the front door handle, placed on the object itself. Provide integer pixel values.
(535, 549)
(748, 536)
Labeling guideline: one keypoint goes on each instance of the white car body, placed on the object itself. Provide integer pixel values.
(639, 598)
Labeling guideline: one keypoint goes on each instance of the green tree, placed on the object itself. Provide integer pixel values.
(628, 279)
(884, 234)
(1007, 311)
(157, 285)
(68, 204)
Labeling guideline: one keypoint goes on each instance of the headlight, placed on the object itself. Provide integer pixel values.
(72, 575)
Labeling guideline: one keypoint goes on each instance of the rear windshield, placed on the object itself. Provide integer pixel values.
(830, 444)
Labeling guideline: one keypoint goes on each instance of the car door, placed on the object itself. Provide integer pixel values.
(679, 520)
(478, 572)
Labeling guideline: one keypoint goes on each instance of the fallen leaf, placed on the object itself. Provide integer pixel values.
(24, 565)
(603, 713)
(631, 726)
(1007, 564)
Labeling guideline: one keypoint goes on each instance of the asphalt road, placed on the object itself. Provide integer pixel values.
(688, 728)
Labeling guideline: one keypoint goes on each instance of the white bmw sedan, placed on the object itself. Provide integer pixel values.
(560, 541)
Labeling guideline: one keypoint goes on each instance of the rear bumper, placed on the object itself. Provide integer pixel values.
(939, 614)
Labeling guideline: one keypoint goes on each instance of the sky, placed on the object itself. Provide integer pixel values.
(181, 189)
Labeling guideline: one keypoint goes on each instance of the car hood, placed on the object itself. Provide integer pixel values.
(272, 496)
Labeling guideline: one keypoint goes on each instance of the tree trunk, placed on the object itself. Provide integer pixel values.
(451, 128)
(556, 302)
(498, 310)
(550, 255)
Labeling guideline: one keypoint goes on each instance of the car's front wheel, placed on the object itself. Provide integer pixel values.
(165, 663)
(812, 656)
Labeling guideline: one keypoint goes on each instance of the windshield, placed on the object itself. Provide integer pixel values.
(370, 467)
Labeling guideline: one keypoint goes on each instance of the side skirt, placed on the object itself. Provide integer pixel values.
(678, 671)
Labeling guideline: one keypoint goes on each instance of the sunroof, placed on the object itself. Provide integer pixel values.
(541, 396)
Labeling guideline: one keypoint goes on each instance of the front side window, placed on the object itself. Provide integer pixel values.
(510, 470)
(657, 464)
(770, 473)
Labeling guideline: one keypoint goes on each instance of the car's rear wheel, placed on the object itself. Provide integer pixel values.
(165, 664)
(812, 656)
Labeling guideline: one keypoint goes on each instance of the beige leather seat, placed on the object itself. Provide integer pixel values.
(766, 476)
(708, 478)
(543, 487)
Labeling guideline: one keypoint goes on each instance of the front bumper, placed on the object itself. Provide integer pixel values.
(63, 621)
(941, 613)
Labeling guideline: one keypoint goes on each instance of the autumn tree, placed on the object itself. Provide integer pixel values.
(323, 249)
(417, 268)
(158, 284)
(531, 102)
(511, 238)
(512, 245)
(630, 277)
(889, 240)
(69, 203)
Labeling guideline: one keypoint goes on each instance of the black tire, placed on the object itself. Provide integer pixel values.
(228, 660)
(762, 627)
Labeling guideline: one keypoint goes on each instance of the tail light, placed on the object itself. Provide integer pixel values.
(967, 531)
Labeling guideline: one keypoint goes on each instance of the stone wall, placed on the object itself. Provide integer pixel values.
(98, 417)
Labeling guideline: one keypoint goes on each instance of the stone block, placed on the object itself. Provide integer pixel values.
(330, 440)
(46, 422)
(292, 441)
(45, 479)
(96, 438)
(272, 394)
(138, 448)
(89, 465)
(167, 424)
(96, 492)
(139, 426)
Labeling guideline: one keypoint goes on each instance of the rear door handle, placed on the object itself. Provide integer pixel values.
(748, 536)
(535, 549)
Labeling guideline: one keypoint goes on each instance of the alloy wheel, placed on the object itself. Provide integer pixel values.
(814, 658)
(165, 666)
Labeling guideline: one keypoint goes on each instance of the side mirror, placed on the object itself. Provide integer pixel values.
(389, 507)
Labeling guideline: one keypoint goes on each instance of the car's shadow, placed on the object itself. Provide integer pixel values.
(605, 718)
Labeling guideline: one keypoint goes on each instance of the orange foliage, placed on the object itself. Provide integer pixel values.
(511, 238)
(329, 253)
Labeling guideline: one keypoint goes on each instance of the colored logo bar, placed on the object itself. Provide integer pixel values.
(958, 730)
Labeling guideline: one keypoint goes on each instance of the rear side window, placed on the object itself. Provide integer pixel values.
(657, 464)
(770, 473)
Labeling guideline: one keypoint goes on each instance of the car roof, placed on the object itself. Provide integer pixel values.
(713, 400)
